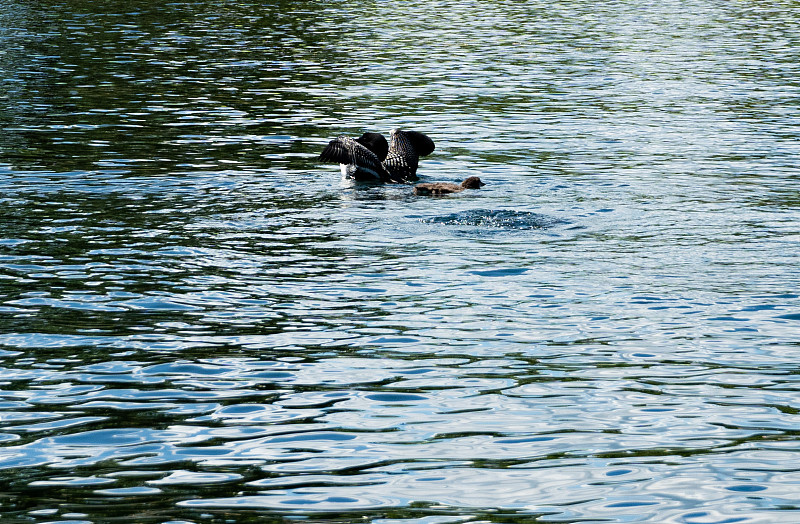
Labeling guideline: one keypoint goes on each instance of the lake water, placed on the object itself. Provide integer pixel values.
(200, 323)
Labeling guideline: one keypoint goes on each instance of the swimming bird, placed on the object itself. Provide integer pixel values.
(370, 158)
(443, 188)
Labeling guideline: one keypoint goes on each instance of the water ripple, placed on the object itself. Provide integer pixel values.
(502, 219)
(201, 322)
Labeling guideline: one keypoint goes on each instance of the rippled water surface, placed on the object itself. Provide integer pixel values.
(200, 323)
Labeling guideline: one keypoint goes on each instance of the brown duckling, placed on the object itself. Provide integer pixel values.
(443, 188)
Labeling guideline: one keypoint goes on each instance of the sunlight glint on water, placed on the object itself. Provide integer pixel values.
(199, 322)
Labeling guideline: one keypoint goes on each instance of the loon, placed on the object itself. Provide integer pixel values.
(443, 188)
(369, 158)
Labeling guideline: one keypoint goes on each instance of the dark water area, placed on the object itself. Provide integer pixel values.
(200, 323)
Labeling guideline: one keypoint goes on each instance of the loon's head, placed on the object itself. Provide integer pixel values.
(376, 143)
(472, 182)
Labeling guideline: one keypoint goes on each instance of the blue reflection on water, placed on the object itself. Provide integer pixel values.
(200, 321)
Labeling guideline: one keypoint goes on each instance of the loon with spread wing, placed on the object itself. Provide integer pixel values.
(369, 158)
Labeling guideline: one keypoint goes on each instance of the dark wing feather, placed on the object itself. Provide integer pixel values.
(402, 160)
(336, 152)
(404, 151)
(422, 143)
(346, 150)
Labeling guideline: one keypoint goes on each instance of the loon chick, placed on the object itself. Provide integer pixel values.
(359, 158)
(404, 151)
(443, 188)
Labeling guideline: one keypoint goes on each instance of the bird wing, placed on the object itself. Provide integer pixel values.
(422, 143)
(345, 150)
(362, 164)
(404, 151)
